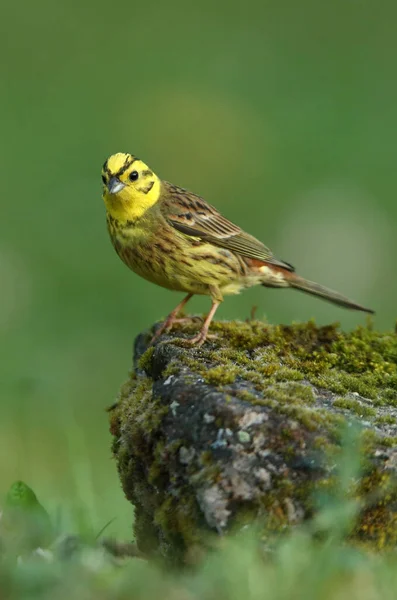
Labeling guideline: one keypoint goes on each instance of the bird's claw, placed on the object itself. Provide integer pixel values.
(199, 339)
(169, 323)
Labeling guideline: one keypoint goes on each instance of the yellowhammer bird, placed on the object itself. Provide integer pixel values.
(177, 240)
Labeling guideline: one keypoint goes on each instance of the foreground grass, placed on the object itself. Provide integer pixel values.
(298, 568)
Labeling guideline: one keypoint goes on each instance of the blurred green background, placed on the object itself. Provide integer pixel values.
(282, 114)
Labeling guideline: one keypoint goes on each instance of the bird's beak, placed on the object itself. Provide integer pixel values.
(115, 185)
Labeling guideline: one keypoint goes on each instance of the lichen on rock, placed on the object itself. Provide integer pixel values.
(208, 439)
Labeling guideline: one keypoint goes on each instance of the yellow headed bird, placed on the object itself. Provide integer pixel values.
(176, 239)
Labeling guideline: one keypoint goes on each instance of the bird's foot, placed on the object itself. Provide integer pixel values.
(185, 321)
(170, 322)
(199, 339)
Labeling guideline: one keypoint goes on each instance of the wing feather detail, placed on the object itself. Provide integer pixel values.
(193, 216)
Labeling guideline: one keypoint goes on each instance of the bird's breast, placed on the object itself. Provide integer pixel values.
(173, 260)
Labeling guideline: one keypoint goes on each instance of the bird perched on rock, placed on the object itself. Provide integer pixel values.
(175, 239)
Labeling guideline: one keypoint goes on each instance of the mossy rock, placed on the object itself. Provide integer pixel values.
(244, 428)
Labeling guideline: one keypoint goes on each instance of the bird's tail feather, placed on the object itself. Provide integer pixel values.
(316, 289)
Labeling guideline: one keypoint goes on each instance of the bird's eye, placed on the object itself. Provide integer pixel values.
(104, 179)
(133, 176)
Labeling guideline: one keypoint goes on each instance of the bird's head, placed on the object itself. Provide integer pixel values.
(129, 186)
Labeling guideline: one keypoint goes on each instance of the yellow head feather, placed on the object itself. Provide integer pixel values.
(130, 187)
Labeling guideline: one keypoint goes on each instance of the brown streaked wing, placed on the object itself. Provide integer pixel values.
(193, 216)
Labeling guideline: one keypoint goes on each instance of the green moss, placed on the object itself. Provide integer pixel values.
(377, 526)
(177, 517)
(172, 369)
(320, 442)
(361, 361)
(390, 441)
(286, 374)
(146, 359)
(355, 407)
(385, 420)
(246, 396)
(221, 375)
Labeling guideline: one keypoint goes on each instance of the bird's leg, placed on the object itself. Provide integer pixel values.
(173, 318)
(199, 339)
